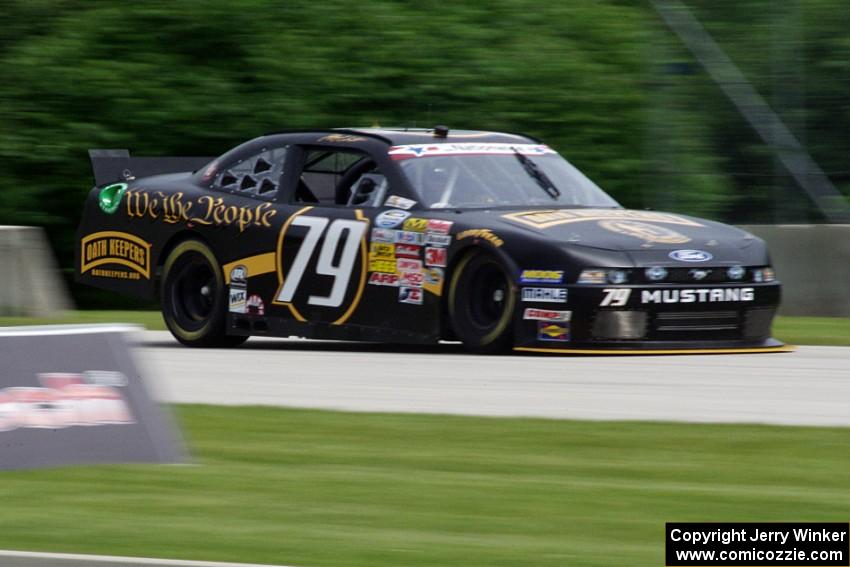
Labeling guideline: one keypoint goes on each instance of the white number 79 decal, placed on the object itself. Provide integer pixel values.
(615, 297)
(350, 232)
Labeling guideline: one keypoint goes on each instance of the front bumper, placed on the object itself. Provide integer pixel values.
(649, 319)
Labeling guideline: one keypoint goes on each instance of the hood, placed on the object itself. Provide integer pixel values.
(648, 237)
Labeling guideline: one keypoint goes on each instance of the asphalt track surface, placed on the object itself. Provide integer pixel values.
(808, 387)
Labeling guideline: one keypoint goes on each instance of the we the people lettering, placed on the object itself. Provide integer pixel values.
(206, 210)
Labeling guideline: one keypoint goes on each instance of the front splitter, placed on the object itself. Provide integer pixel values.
(742, 350)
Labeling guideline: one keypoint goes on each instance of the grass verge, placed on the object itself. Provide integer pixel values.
(315, 488)
(151, 320)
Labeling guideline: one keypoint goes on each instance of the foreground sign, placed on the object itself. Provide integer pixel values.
(72, 395)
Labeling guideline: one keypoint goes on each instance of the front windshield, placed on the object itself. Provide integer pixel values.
(479, 175)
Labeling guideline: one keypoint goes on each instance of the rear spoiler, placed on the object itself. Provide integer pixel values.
(110, 166)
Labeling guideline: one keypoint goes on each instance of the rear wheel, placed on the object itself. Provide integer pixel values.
(193, 297)
(481, 303)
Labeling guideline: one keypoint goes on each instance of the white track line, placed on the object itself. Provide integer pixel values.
(42, 330)
(38, 559)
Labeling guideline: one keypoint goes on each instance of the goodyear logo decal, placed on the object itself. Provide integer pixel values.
(116, 248)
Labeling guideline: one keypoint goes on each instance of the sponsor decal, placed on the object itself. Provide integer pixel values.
(383, 235)
(381, 251)
(341, 138)
(411, 295)
(115, 248)
(466, 148)
(437, 226)
(548, 331)
(411, 279)
(238, 299)
(391, 218)
(399, 202)
(544, 294)
(407, 250)
(66, 400)
(436, 257)
(481, 234)
(378, 278)
(644, 231)
(541, 276)
(554, 217)
(438, 240)
(238, 294)
(407, 265)
(434, 276)
(690, 255)
(206, 210)
(415, 224)
(385, 266)
(532, 314)
(110, 196)
(704, 295)
(407, 237)
(255, 305)
(239, 275)
(615, 297)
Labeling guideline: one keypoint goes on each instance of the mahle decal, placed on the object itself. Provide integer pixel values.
(118, 249)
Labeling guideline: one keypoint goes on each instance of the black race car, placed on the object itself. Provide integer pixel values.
(413, 236)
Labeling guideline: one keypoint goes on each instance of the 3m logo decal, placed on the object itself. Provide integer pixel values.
(112, 248)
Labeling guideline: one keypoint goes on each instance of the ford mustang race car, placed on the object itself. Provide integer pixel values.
(416, 236)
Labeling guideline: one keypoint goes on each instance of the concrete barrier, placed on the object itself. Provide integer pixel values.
(30, 281)
(813, 263)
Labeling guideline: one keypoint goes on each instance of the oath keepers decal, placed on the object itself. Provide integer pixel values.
(108, 253)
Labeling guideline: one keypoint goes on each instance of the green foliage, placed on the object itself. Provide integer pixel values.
(588, 77)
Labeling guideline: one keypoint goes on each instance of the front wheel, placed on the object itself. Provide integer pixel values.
(193, 301)
(481, 303)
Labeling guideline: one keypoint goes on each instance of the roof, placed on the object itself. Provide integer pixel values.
(407, 136)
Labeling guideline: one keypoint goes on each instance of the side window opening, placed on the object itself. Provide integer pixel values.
(257, 176)
(340, 177)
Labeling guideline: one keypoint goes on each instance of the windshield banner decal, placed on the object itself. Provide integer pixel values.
(467, 148)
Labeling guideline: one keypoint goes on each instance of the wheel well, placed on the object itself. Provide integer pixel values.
(446, 331)
(170, 244)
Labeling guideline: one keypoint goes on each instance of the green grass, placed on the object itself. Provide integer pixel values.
(317, 488)
(794, 330)
(833, 331)
(151, 320)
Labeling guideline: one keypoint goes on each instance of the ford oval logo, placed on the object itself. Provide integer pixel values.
(691, 255)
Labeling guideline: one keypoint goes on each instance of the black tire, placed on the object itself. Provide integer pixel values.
(481, 303)
(194, 305)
